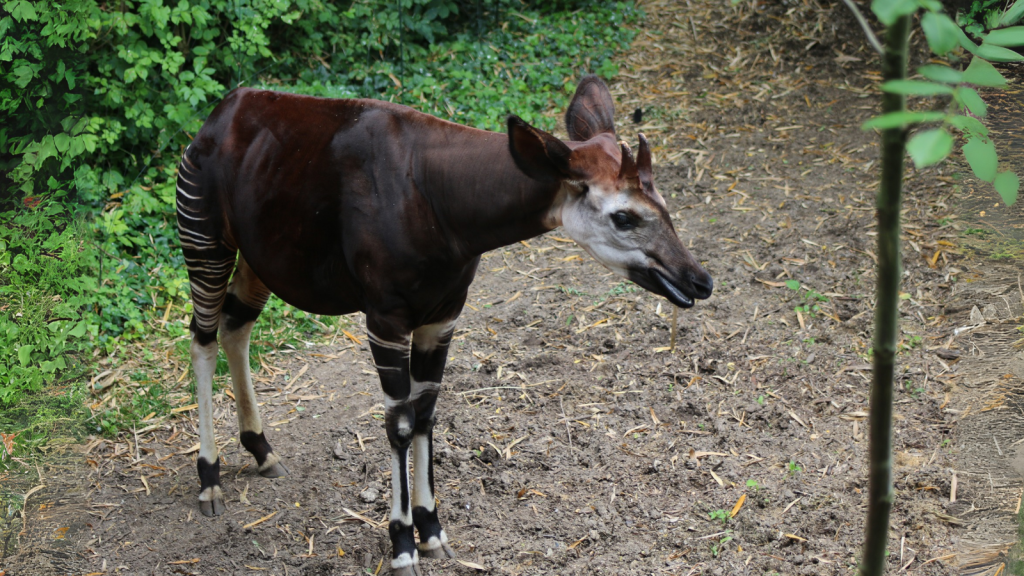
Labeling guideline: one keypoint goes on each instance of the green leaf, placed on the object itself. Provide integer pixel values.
(25, 354)
(997, 53)
(930, 147)
(22, 11)
(982, 73)
(62, 141)
(888, 11)
(971, 100)
(915, 87)
(1007, 184)
(1013, 36)
(793, 284)
(968, 125)
(901, 119)
(23, 75)
(981, 155)
(1013, 14)
(941, 74)
(78, 331)
(940, 31)
(47, 149)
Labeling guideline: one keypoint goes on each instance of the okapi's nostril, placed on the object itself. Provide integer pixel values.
(703, 284)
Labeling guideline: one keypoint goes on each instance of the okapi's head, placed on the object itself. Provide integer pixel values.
(608, 204)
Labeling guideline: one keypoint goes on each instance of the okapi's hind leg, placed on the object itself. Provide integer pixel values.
(245, 300)
(429, 354)
(209, 261)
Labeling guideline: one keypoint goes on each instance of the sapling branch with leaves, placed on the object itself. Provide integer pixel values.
(932, 142)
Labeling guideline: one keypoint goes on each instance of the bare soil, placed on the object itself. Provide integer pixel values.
(571, 437)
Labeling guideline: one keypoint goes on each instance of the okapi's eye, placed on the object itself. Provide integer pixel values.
(623, 221)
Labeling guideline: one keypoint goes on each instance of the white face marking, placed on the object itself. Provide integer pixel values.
(587, 219)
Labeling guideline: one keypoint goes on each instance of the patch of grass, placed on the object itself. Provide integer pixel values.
(1015, 558)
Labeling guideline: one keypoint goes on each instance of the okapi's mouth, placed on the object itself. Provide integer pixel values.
(681, 294)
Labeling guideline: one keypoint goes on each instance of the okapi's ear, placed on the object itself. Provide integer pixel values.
(539, 154)
(592, 110)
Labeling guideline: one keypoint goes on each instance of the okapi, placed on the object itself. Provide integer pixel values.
(340, 206)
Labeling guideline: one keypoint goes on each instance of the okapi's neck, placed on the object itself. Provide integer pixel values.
(483, 197)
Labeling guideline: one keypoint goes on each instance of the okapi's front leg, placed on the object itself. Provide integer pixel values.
(429, 354)
(246, 297)
(390, 350)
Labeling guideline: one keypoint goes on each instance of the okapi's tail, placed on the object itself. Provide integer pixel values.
(209, 260)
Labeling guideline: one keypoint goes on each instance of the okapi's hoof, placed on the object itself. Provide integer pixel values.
(211, 501)
(443, 551)
(211, 507)
(411, 570)
(275, 470)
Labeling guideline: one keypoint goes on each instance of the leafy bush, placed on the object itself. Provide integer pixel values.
(100, 99)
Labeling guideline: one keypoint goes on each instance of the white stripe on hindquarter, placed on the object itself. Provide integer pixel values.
(186, 216)
(402, 346)
(185, 194)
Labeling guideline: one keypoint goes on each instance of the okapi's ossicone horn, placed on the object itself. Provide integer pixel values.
(643, 165)
(627, 171)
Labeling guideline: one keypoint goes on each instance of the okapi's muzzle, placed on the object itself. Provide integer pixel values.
(680, 287)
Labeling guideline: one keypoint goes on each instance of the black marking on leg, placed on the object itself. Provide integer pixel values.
(236, 313)
(211, 497)
(201, 338)
(428, 365)
(269, 465)
(209, 474)
(257, 445)
(405, 494)
(403, 540)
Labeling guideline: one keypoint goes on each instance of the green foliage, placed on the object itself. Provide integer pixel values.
(719, 515)
(931, 146)
(100, 98)
(44, 283)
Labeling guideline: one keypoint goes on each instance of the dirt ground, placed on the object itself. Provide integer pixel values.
(572, 438)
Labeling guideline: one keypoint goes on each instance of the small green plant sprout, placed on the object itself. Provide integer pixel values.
(760, 399)
(720, 515)
(911, 342)
(914, 391)
(793, 468)
(623, 288)
(753, 485)
(717, 548)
